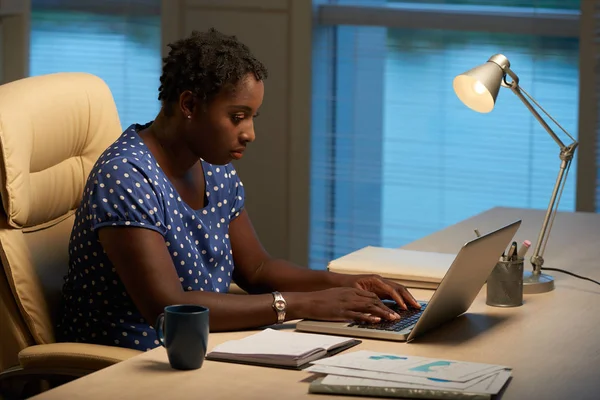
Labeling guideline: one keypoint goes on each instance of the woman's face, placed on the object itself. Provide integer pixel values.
(219, 132)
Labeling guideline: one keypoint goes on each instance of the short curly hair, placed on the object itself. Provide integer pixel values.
(204, 63)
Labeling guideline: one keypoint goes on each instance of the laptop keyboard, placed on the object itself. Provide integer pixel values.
(407, 318)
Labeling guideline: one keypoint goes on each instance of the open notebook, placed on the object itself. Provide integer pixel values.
(411, 268)
(280, 349)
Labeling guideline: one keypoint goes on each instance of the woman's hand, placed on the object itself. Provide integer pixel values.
(383, 288)
(341, 304)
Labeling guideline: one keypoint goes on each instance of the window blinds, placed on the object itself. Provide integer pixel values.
(117, 40)
(396, 156)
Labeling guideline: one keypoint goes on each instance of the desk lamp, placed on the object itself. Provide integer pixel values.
(478, 89)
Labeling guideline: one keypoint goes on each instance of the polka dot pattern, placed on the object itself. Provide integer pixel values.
(127, 187)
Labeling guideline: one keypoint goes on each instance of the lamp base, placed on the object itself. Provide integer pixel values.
(537, 283)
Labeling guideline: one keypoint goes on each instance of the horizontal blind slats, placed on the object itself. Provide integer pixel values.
(111, 41)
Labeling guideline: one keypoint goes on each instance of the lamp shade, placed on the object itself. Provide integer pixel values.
(478, 87)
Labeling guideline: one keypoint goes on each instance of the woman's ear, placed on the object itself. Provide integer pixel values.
(187, 103)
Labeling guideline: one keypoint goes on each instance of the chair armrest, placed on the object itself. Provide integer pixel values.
(75, 356)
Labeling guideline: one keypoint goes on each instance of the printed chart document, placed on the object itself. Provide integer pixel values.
(411, 268)
(275, 348)
(391, 375)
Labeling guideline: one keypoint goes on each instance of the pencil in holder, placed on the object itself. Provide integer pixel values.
(505, 284)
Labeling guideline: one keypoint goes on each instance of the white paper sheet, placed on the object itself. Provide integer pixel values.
(451, 370)
(396, 378)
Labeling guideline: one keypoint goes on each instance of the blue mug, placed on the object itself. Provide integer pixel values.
(183, 331)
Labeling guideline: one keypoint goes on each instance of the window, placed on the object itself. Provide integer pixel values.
(119, 41)
(442, 162)
(395, 155)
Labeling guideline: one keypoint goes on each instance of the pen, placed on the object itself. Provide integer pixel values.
(523, 250)
(511, 251)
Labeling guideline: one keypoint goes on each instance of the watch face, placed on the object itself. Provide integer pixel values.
(280, 305)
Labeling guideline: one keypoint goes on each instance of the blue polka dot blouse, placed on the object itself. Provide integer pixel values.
(127, 187)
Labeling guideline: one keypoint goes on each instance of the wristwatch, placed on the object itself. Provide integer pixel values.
(279, 305)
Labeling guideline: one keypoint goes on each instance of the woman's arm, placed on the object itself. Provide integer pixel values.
(143, 263)
(257, 272)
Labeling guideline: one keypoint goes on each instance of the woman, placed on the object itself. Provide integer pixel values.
(162, 219)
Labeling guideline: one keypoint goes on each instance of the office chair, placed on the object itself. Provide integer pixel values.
(52, 130)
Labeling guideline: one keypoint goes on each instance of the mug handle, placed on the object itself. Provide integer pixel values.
(158, 327)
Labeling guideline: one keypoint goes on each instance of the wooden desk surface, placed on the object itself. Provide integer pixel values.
(551, 341)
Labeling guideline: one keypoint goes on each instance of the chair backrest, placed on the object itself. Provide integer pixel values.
(53, 128)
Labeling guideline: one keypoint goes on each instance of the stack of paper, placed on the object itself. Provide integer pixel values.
(411, 268)
(390, 375)
(280, 349)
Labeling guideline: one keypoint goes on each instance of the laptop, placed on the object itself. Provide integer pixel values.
(454, 295)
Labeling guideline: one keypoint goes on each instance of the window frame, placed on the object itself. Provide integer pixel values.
(514, 20)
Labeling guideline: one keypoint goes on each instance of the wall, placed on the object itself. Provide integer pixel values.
(14, 39)
(588, 157)
(275, 170)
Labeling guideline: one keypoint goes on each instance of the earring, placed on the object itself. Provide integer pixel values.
(189, 117)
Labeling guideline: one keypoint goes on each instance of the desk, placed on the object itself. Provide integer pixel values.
(551, 341)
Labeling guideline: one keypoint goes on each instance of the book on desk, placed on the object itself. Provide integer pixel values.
(280, 349)
(411, 268)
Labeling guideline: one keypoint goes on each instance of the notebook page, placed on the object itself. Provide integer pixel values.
(280, 343)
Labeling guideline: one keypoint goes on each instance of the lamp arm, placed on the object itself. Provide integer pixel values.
(516, 89)
(566, 156)
(537, 258)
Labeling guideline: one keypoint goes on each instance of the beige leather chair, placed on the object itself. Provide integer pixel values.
(52, 130)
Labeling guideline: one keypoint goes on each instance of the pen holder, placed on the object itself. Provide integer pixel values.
(505, 284)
